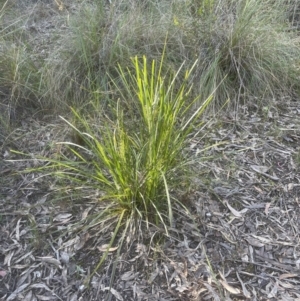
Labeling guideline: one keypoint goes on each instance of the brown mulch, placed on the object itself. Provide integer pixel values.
(241, 243)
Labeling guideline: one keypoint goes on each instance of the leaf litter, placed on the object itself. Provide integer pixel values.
(241, 241)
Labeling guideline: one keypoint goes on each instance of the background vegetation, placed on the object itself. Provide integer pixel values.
(249, 49)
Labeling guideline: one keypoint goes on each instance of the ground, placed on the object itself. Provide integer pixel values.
(241, 241)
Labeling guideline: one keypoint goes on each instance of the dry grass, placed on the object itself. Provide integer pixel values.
(245, 48)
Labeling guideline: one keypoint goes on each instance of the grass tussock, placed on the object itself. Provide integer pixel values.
(20, 76)
(21, 68)
(100, 38)
(136, 157)
(248, 49)
(138, 151)
(244, 47)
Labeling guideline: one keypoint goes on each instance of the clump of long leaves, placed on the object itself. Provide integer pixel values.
(136, 156)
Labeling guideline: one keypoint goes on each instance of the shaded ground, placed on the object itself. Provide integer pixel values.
(243, 243)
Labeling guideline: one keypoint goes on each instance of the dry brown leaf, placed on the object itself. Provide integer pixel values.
(114, 292)
(71, 242)
(262, 239)
(153, 275)
(64, 257)
(18, 230)
(23, 257)
(260, 169)
(235, 212)
(46, 298)
(286, 284)
(23, 278)
(40, 285)
(104, 247)
(62, 217)
(273, 292)
(85, 213)
(50, 260)
(29, 296)
(182, 288)
(42, 200)
(245, 291)
(81, 242)
(287, 275)
(17, 291)
(254, 242)
(8, 258)
(230, 288)
(212, 291)
(129, 276)
(263, 170)
(74, 297)
(60, 4)
(267, 208)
